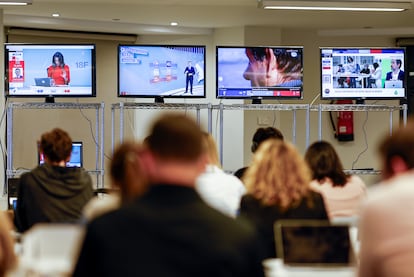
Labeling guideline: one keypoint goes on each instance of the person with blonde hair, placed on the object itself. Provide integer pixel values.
(278, 187)
(8, 258)
(217, 188)
(127, 177)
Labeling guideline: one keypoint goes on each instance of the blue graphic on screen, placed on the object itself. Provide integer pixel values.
(151, 71)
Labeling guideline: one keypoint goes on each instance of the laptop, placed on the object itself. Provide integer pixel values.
(12, 188)
(76, 158)
(314, 243)
(393, 84)
(44, 82)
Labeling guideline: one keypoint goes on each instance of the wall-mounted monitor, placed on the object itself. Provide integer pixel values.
(161, 71)
(363, 73)
(259, 72)
(50, 70)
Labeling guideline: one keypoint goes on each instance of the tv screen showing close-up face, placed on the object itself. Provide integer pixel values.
(259, 72)
(161, 71)
(363, 73)
(34, 70)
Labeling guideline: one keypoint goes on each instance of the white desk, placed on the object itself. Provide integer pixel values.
(276, 268)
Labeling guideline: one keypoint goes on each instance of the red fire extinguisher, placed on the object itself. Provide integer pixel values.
(345, 123)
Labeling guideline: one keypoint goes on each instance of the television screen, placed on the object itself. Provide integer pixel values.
(76, 157)
(34, 70)
(161, 71)
(259, 72)
(363, 73)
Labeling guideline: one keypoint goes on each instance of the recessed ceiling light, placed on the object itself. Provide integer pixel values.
(174, 23)
(55, 14)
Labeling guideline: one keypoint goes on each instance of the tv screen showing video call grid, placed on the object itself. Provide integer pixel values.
(363, 73)
(161, 71)
(242, 73)
(31, 71)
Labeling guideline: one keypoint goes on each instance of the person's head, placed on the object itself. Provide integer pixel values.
(278, 174)
(189, 63)
(17, 71)
(397, 151)
(56, 146)
(350, 59)
(8, 259)
(210, 148)
(58, 60)
(324, 163)
(263, 134)
(270, 67)
(395, 64)
(126, 170)
(175, 148)
(375, 65)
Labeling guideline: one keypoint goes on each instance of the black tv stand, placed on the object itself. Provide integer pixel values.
(360, 101)
(159, 99)
(50, 99)
(256, 101)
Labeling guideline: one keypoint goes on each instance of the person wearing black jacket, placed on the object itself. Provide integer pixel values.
(52, 192)
(170, 231)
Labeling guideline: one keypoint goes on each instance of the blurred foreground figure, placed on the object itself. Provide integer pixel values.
(170, 231)
(387, 225)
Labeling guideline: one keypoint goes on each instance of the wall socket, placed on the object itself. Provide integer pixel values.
(263, 120)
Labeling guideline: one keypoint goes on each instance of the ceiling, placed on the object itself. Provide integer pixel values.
(193, 17)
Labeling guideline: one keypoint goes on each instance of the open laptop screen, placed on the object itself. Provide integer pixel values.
(76, 158)
(313, 243)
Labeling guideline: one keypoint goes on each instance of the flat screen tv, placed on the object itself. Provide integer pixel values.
(274, 72)
(161, 71)
(363, 73)
(50, 70)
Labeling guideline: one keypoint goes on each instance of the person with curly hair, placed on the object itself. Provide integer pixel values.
(278, 187)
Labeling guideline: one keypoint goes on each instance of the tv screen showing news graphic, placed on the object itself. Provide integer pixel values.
(259, 72)
(43, 70)
(363, 73)
(161, 71)
(76, 157)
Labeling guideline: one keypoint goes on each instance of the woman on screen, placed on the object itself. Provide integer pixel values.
(59, 71)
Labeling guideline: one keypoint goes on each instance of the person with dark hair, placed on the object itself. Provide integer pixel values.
(59, 71)
(260, 136)
(270, 67)
(343, 194)
(396, 73)
(170, 230)
(386, 223)
(127, 177)
(376, 76)
(52, 192)
(278, 187)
